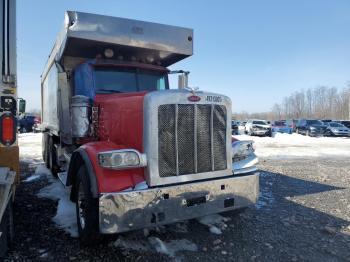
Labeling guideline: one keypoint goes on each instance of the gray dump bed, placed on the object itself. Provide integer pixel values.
(87, 35)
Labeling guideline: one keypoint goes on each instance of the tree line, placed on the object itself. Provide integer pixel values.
(314, 103)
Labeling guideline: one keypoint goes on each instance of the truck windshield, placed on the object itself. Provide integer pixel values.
(124, 80)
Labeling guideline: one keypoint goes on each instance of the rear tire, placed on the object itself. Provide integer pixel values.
(86, 210)
(45, 149)
(53, 158)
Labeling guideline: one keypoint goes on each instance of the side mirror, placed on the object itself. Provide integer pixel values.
(21, 106)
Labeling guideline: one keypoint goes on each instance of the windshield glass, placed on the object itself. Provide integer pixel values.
(335, 125)
(123, 80)
(259, 123)
(314, 122)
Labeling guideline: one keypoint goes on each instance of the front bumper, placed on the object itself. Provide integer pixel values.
(261, 132)
(341, 133)
(282, 130)
(126, 211)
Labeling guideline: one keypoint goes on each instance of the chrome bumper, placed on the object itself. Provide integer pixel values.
(126, 211)
(245, 166)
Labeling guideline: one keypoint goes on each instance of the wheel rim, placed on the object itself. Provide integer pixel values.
(81, 206)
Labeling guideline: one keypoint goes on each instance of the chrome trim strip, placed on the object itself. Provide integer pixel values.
(6, 40)
(176, 139)
(212, 137)
(195, 139)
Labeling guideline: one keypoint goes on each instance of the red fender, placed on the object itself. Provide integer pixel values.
(111, 180)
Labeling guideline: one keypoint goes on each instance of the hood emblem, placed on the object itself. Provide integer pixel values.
(194, 98)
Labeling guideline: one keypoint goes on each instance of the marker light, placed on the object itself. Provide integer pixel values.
(7, 129)
(109, 53)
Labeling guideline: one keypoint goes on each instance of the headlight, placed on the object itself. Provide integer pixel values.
(334, 130)
(122, 159)
(312, 128)
(241, 150)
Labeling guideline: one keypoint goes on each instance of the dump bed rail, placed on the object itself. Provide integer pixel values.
(88, 35)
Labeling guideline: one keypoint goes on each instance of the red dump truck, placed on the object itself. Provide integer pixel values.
(134, 152)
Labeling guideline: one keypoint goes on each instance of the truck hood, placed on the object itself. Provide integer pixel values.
(121, 118)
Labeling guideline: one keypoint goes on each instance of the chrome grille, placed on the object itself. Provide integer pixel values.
(192, 139)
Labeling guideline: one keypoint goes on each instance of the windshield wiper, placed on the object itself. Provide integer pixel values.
(108, 90)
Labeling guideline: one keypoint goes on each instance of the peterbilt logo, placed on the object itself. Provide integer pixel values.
(216, 99)
(193, 98)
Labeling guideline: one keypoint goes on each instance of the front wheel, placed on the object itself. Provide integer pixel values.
(86, 210)
(329, 133)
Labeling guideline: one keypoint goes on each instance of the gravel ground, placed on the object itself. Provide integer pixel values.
(303, 214)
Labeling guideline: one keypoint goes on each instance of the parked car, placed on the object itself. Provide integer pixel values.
(344, 122)
(26, 123)
(37, 125)
(258, 127)
(281, 127)
(325, 121)
(336, 129)
(292, 123)
(234, 125)
(310, 127)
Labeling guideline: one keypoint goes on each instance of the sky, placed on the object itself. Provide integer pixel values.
(255, 52)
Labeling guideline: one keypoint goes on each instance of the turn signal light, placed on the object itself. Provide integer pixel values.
(7, 129)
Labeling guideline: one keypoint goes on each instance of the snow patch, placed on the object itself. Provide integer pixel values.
(141, 186)
(172, 247)
(31, 178)
(30, 148)
(65, 217)
(154, 244)
(284, 146)
(215, 222)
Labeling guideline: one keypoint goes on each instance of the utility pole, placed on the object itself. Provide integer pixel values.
(349, 103)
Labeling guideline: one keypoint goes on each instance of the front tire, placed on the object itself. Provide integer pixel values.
(86, 210)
